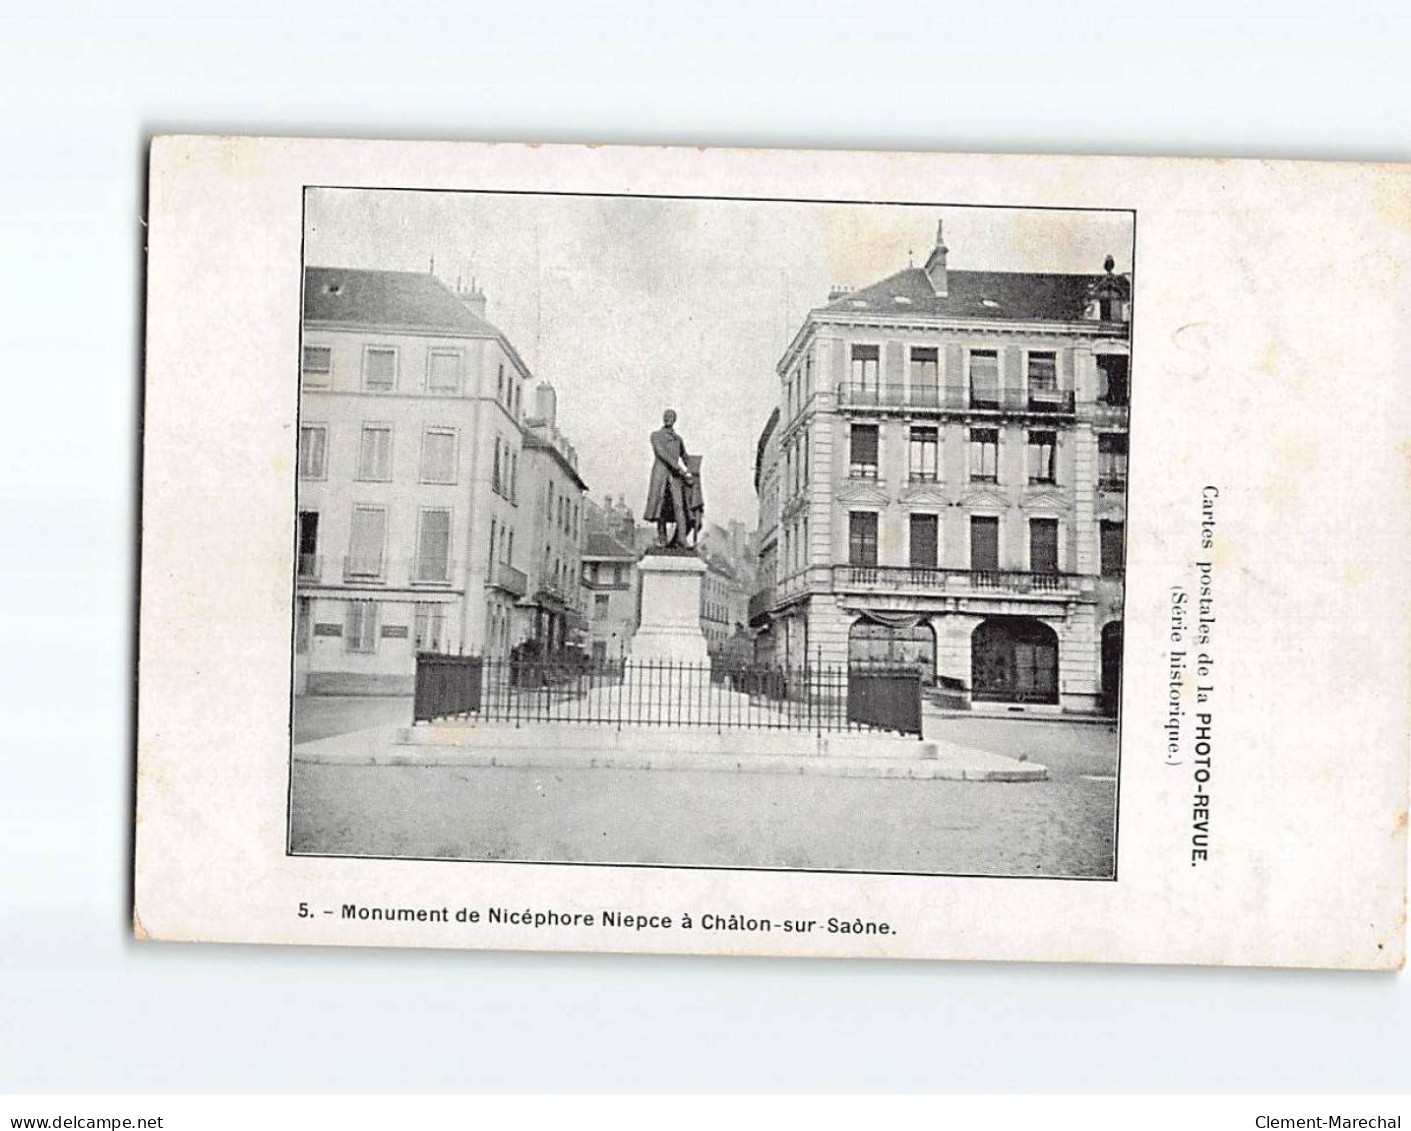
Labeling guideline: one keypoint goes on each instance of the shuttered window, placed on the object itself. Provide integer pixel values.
(375, 453)
(379, 367)
(984, 455)
(313, 451)
(360, 627)
(863, 451)
(984, 378)
(1043, 545)
(925, 541)
(862, 538)
(984, 542)
(366, 542)
(438, 456)
(443, 371)
(434, 545)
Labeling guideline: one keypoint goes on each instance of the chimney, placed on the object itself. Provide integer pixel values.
(473, 297)
(936, 264)
(546, 403)
(837, 291)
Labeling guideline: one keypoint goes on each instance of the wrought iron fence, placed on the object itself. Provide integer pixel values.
(722, 695)
(951, 398)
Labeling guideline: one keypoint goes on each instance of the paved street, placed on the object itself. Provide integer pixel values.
(1059, 827)
(322, 716)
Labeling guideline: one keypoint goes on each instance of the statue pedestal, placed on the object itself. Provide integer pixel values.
(670, 629)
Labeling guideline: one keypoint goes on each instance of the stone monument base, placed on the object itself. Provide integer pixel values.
(670, 628)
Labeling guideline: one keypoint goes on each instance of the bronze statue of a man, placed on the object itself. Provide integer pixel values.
(671, 479)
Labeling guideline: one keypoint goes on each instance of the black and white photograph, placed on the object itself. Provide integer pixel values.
(714, 533)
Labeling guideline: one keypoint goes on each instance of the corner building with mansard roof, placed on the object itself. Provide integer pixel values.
(950, 460)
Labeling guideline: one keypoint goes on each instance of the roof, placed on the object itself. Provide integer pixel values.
(1009, 296)
(409, 299)
(600, 545)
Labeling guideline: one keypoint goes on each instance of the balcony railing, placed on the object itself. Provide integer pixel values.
(1111, 482)
(1050, 402)
(513, 581)
(310, 567)
(917, 578)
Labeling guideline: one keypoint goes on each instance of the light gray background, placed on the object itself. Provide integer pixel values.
(85, 1009)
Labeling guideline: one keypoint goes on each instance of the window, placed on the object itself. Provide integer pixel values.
(308, 546)
(863, 452)
(1043, 373)
(1114, 545)
(509, 549)
(925, 541)
(360, 631)
(1112, 384)
(429, 627)
(1112, 461)
(1043, 545)
(433, 546)
(375, 454)
(862, 538)
(519, 387)
(443, 371)
(313, 451)
(495, 474)
(984, 455)
(1043, 447)
(493, 527)
(925, 376)
(438, 456)
(984, 542)
(379, 367)
(366, 542)
(318, 363)
(500, 388)
(984, 378)
(805, 456)
(924, 445)
(600, 605)
(514, 477)
(865, 360)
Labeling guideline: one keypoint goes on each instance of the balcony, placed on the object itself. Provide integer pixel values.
(1035, 402)
(310, 567)
(1112, 481)
(937, 579)
(760, 604)
(513, 581)
(1107, 412)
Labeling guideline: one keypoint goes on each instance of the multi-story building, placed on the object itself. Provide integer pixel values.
(409, 497)
(610, 582)
(723, 600)
(552, 612)
(768, 647)
(952, 460)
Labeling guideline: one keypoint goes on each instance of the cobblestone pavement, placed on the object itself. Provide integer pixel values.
(1061, 827)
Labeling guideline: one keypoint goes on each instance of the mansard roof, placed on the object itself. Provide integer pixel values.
(1008, 296)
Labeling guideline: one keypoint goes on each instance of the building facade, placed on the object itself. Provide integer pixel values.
(552, 613)
(410, 519)
(950, 458)
(610, 582)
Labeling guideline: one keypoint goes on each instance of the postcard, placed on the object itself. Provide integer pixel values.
(781, 553)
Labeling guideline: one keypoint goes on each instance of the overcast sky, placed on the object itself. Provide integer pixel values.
(631, 305)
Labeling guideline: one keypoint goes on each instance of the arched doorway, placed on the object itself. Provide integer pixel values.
(903, 645)
(1111, 667)
(1014, 660)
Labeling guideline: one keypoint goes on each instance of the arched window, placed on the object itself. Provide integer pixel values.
(904, 645)
(1014, 660)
